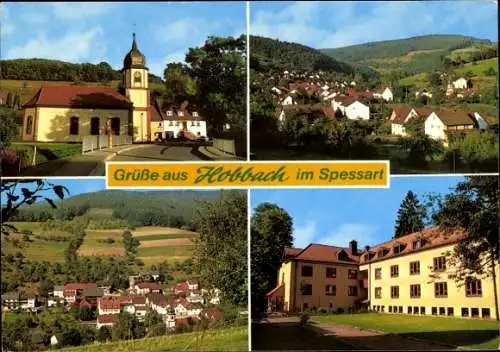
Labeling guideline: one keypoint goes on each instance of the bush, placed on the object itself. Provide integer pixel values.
(340, 310)
(304, 318)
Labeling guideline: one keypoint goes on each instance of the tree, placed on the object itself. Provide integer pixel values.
(104, 334)
(9, 100)
(339, 114)
(131, 245)
(434, 79)
(218, 67)
(179, 86)
(45, 287)
(271, 233)
(85, 314)
(18, 197)
(8, 127)
(220, 255)
(125, 327)
(473, 206)
(411, 216)
(490, 71)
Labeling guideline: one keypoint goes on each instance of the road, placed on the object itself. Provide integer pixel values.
(160, 153)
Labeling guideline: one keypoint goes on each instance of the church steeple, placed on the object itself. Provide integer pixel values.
(134, 58)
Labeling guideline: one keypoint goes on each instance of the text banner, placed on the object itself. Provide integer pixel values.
(247, 174)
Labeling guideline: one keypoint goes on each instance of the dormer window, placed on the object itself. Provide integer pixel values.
(418, 243)
(398, 248)
(180, 113)
(380, 253)
(169, 113)
(367, 256)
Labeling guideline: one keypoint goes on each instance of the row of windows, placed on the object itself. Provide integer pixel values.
(472, 289)
(331, 273)
(449, 311)
(397, 249)
(330, 290)
(180, 113)
(439, 265)
(74, 125)
(178, 123)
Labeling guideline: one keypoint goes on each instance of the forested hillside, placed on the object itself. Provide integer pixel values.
(411, 56)
(54, 70)
(394, 48)
(174, 209)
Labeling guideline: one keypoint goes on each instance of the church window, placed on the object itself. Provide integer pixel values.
(137, 77)
(115, 125)
(74, 125)
(94, 126)
(29, 124)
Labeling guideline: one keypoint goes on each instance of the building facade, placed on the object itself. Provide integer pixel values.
(408, 275)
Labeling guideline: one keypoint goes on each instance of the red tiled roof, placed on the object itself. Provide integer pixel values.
(85, 303)
(107, 303)
(79, 97)
(107, 318)
(181, 286)
(433, 237)
(453, 117)
(325, 253)
(400, 113)
(423, 112)
(149, 285)
(291, 252)
(79, 286)
(155, 110)
(270, 293)
(138, 300)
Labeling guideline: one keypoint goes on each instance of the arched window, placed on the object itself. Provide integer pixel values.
(115, 126)
(94, 126)
(29, 124)
(137, 77)
(73, 125)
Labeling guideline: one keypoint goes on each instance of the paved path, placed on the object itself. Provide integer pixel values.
(93, 163)
(374, 340)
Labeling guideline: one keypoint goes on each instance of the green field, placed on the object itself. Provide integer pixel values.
(166, 236)
(472, 333)
(479, 68)
(47, 152)
(228, 339)
(38, 249)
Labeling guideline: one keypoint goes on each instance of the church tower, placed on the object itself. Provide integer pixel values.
(135, 81)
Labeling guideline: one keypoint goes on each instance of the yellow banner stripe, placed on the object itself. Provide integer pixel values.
(248, 174)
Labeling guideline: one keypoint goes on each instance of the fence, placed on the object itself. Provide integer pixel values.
(91, 143)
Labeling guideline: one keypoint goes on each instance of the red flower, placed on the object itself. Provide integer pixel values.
(8, 156)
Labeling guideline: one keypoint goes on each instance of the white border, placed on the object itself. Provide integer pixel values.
(215, 186)
(247, 12)
(249, 268)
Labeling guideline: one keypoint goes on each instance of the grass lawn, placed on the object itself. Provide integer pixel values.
(50, 251)
(468, 333)
(229, 339)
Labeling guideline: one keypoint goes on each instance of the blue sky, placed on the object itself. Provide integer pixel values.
(100, 31)
(337, 216)
(336, 24)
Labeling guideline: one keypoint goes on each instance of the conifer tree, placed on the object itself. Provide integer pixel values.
(411, 216)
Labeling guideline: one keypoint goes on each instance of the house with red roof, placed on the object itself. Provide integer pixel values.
(68, 113)
(145, 288)
(106, 320)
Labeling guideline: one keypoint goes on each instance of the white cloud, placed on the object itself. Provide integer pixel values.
(184, 30)
(304, 235)
(71, 47)
(78, 10)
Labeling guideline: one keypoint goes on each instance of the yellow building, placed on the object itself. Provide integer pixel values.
(69, 113)
(409, 275)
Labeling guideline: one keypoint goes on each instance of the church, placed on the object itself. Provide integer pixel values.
(68, 113)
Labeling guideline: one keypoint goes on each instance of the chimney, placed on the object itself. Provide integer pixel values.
(353, 245)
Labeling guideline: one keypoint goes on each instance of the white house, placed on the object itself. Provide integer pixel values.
(424, 93)
(194, 297)
(180, 121)
(169, 319)
(52, 301)
(437, 125)
(106, 320)
(144, 288)
(59, 291)
(481, 122)
(460, 83)
(192, 285)
(108, 306)
(402, 114)
(181, 310)
(352, 108)
(386, 94)
(287, 101)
